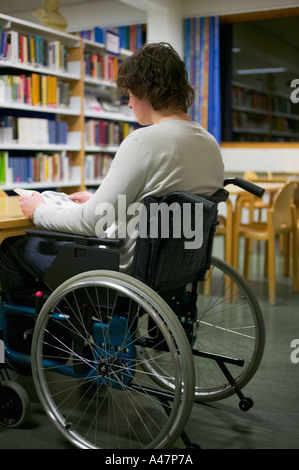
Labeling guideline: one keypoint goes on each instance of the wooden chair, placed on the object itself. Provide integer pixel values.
(296, 202)
(281, 219)
(225, 229)
(250, 175)
(254, 203)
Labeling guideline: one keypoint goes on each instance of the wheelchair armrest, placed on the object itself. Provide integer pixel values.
(80, 239)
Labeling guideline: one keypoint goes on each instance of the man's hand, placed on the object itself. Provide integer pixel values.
(28, 204)
(81, 196)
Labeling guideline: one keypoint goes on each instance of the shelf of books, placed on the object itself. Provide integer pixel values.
(61, 121)
(131, 37)
(40, 106)
(260, 116)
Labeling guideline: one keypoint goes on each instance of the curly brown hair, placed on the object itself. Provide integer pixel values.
(157, 73)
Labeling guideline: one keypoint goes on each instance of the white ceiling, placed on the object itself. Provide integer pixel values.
(12, 7)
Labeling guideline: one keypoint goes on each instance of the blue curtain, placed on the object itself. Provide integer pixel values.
(202, 57)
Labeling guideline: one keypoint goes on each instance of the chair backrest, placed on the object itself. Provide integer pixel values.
(175, 248)
(282, 203)
(250, 175)
(296, 200)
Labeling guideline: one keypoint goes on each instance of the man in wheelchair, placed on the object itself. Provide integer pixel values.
(104, 332)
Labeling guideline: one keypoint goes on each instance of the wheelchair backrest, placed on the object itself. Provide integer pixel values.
(175, 239)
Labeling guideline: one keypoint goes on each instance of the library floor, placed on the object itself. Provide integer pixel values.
(272, 423)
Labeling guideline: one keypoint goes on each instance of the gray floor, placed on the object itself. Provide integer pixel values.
(272, 423)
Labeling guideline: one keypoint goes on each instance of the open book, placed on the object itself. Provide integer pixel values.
(50, 197)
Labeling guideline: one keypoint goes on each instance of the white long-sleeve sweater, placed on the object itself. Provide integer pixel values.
(156, 160)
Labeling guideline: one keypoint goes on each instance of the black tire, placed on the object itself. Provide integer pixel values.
(228, 323)
(14, 404)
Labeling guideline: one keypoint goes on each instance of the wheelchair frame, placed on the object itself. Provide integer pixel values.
(157, 300)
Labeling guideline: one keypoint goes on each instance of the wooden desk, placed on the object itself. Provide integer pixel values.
(12, 220)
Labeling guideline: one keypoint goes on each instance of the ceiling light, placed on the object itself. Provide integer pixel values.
(261, 71)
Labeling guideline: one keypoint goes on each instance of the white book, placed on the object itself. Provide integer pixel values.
(50, 197)
(5, 89)
(14, 46)
(6, 135)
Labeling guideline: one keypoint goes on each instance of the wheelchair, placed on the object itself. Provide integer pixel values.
(118, 360)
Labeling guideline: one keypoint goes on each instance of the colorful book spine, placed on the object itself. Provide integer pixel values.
(34, 89)
(131, 36)
(33, 50)
(41, 167)
(96, 165)
(106, 133)
(3, 167)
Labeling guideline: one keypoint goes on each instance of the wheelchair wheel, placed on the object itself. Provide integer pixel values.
(14, 404)
(228, 323)
(89, 343)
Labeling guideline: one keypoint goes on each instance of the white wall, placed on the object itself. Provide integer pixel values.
(166, 25)
(261, 160)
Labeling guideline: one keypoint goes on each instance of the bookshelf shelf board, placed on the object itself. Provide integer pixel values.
(93, 182)
(100, 47)
(251, 131)
(109, 116)
(40, 147)
(246, 109)
(101, 148)
(285, 134)
(94, 82)
(40, 109)
(9, 22)
(37, 69)
(286, 115)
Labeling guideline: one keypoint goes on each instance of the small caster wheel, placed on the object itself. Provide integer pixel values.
(246, 404)
(14, 404)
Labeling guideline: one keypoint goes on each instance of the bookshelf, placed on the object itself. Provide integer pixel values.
(260, 116)
(131, 37)
(55, 90)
